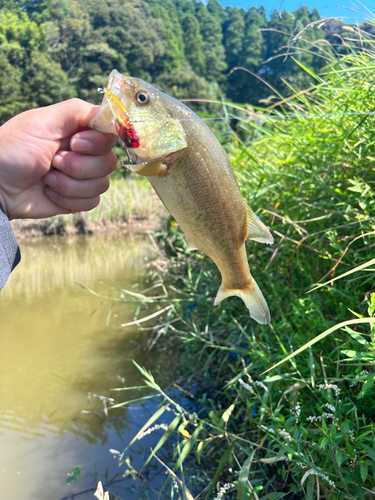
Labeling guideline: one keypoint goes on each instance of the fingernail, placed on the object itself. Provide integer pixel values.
(58, 161)
(51, 194)
(81, 145)
(51, 180)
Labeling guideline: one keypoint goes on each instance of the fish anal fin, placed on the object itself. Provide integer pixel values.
(252, 297)
(256, 230)
(190, 246)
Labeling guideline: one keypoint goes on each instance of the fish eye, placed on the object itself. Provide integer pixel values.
(142, 97)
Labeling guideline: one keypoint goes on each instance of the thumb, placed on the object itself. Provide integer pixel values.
(58, 121)
(68, 117)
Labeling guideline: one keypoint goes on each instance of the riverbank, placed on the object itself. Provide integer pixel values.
(129, 205)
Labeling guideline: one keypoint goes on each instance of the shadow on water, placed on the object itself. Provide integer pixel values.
(57, 343)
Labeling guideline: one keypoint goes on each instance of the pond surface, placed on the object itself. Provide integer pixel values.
(57, 344)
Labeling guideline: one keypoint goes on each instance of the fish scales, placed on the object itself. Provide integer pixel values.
(197, 179)
(191, 173)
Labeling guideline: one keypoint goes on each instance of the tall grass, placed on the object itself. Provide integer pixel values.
(306, 428)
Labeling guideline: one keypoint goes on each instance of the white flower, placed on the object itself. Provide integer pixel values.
(223, 490)
(337, 390)
(260, 384)
(330, 407)
(248, 387)
(297, 411)
(156, 427)
(114, 452)
(285, 434)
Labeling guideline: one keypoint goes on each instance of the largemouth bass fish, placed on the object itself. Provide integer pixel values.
(191, 173)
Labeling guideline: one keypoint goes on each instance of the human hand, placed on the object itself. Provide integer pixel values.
(36, 140)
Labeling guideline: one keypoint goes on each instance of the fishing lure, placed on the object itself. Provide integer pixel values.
(124, 127)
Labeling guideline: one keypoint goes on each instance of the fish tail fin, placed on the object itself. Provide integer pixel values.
(253, 298)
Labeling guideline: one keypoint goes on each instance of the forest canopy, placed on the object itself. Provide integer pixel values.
(51, 50)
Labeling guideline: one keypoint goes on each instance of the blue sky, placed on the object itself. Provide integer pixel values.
(327, 8)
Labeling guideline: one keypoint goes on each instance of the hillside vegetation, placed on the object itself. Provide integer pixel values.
(55, 49)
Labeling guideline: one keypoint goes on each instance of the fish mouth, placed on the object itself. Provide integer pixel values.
(116, 101)
(121, 87)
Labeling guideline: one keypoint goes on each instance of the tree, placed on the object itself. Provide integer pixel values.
(234, 33)
(241, 85)
(214, 51)
(12, 99)
(173, 57)
(194, 46)
(185, 84)
(216, 10)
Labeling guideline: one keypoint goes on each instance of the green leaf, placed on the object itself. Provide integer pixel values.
(367, 385)
(171, 427)
(223, 460)
(364, 472)
(369, 450)
(273, 496)
(358, 268)
(131, 401)
(188, 446)
(214, 418)
(201, 446)
(338, 456)
(244, 473)
(226, 415)
(356, 336)
(320, 337)
(144, 372)
(276, 378)
(148, 424)
(305, 68)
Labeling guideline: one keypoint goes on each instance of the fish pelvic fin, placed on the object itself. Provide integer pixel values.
(151, 169)
(256, 230)
(190, 246)
(253, 298)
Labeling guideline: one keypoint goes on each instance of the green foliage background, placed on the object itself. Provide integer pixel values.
(55, 49)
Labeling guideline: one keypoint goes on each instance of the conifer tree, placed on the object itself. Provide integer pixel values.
(173, 57)
(216, 10)
(213, 47)
(234, 33)
(194, 46)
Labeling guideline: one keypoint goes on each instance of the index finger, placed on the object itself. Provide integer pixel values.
(91, 142)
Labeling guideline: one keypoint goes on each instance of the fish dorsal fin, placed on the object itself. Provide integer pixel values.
(190, 246)
(256, 230)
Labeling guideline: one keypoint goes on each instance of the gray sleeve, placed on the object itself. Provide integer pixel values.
(9, 251)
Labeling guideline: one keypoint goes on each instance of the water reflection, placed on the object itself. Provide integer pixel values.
(54, 349)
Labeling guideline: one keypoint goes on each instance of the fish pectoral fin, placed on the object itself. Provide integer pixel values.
(253, 298)
(151, 169)
(190, 246)
(256, 230)
(170, 137)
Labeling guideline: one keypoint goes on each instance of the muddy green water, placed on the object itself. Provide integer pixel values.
(55, 347)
